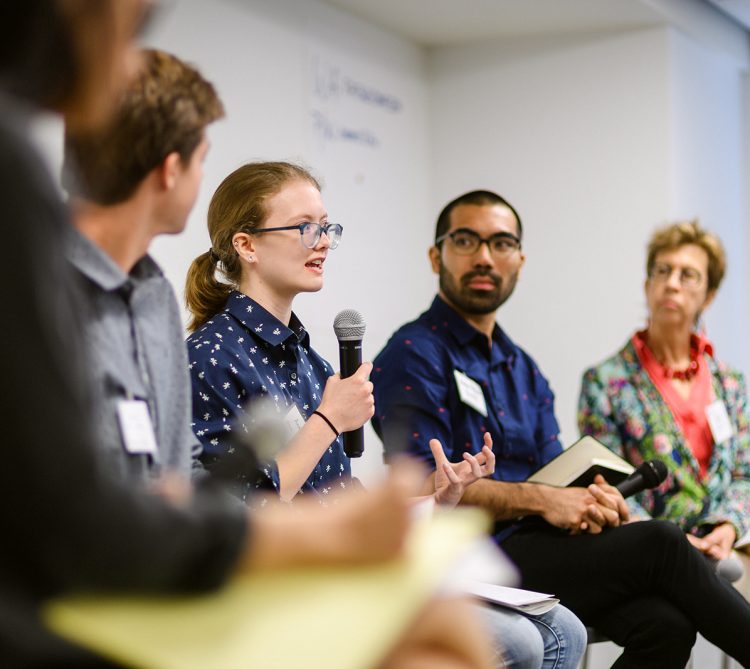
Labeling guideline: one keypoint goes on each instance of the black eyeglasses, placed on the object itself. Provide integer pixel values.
(310, 233)
(467, 242)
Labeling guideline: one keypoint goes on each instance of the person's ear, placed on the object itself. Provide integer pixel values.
(434, 255)
(169, 170)
(522, 260)
(244, 246)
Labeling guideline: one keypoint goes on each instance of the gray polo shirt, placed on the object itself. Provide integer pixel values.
(135, 347)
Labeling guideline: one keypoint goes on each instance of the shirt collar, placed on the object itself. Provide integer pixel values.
(99, 268)
(464, 333)
(698, 342)
(263, 323)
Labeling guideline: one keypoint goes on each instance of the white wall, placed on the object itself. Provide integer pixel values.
(304, 82)
(708, 142)
(575, 133)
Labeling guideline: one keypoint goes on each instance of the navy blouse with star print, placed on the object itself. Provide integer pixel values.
(243, 353)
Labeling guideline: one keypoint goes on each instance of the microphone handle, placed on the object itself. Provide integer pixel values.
(631, 485)
(350, 358)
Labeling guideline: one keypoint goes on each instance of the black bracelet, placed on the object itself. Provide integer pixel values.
(330, 424)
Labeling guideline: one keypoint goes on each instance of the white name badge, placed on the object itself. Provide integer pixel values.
(718, 421)
(470, 392)
(293, 422)
(135, 425)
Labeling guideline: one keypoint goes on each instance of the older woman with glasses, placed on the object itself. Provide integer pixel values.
(665, 396)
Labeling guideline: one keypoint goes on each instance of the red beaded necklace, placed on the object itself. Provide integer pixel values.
(683, 374)
(697, 347)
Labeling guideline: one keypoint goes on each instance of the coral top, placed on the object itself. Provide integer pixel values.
(690, 413)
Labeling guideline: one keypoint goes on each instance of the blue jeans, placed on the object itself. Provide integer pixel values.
(553, 640)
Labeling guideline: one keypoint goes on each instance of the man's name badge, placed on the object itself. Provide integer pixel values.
(470, 392)
(135, 425)
(718, 421)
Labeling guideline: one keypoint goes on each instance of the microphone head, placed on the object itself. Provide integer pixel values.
(653, 472)
(349, 325)
(730, 569)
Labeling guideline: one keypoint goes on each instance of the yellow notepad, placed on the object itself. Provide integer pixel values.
(343, 618)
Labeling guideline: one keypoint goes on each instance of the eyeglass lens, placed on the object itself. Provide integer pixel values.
(467, 242)
(688, 276)
(311, 233)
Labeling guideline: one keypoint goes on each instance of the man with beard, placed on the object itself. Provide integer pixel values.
(454, 375)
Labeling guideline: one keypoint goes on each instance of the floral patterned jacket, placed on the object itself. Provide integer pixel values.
(620, 406)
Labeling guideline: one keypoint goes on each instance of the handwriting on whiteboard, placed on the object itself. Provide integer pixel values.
(330, 84)
(330, 131)
(345, 109)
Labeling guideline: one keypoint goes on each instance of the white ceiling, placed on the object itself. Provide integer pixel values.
(739, 10)
(444, 22)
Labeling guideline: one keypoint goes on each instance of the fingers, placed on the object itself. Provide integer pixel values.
(716, 553)
(485, 457)
(601, 492)
(597, 515)
(438, 453)
(697, 542)
(349, 403)
(363, 372)
(615, 495)
(476, 468)
(718, 543)
(489, 466)
(606, 510)
(450, 474)
(600, 480)
(591, 526)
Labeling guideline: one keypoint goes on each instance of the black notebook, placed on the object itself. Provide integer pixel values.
(578, 464)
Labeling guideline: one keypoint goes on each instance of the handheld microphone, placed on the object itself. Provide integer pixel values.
(349, 327)
(730, 569)
(648, 475)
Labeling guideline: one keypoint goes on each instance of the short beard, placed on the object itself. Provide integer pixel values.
(477, 302)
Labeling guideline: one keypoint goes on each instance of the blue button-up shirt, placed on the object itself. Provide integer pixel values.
(243, 353)
(417, 396)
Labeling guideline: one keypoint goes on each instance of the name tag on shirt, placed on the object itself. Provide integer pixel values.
(718, 421)
(293, 422)
(135, 425)
(470, 392)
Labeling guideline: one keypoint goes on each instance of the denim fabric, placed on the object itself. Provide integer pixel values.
(553, 640)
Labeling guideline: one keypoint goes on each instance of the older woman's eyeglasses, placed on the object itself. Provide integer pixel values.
(689, 277)
(467, 242)
(310, 233)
